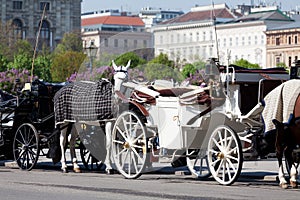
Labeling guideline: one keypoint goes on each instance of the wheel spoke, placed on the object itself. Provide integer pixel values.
(217, 144)
(121, 133)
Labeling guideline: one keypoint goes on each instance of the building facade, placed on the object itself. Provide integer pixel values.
(196, 35)
(283, 44)
(116, 35)
(60, 17)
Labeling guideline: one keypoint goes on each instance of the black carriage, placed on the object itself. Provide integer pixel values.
(27, 123)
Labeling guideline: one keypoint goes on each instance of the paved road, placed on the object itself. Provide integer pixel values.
(257, 181)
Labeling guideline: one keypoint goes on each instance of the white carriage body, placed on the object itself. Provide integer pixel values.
(171, 118)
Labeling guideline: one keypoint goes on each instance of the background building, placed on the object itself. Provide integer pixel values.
(116, 34)
(208, 31)
(60, 17)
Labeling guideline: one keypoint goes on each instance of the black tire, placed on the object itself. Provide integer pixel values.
(26, 146)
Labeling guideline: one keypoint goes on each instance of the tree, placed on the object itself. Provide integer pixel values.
(163, 59)
(65, 64)
(281, 64)
(135, 59)
(70, 42)
(246, 64)
(154, 71)
(188, 70)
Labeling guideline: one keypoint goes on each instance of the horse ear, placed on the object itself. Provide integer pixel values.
(128, 64)
(114, 65)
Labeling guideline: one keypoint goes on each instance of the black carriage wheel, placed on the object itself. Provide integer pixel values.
(88, 160)
(130, 145)
(197, 163)
(26, 146)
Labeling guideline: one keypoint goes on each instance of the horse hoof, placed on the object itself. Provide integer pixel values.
(283, 185)
(64, 170)
(293, 184)
(77, 170)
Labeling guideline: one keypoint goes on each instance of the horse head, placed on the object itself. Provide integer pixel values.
(120, 74)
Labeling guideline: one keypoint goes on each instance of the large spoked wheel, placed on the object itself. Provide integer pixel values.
(225, 155)
(129, 145)
(88, 160)
(197, 163)
(26, 146)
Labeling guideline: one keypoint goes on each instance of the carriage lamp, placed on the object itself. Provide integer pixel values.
(91, 51)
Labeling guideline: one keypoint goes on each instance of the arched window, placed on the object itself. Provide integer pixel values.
(17, 28)
(45, 33)
(45, 30)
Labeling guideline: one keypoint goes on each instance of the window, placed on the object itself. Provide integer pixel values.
(125, 43)
(243, 41)
(17, 26)
(115, 42)
(161, 39)
(249, 40)
(277, 41)
(289, 40)
(277, 60)
(296, 39)
(17, 5)
(230, 42)
(191, 37)
(290, 61)
(45, 30)
(197, 36)
(172, 38)
(204, 37)
(236, 41)
(224, 42)
(135, 43)
(184, 37)
(106, 42)
(45, 5)
(144, 43)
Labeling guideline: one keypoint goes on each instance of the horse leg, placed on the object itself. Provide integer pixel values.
(73, 139)
(293, 170)
(282, 182)
(62, 142)
(107, 162)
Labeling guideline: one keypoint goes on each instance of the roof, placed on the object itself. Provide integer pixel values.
(293, 25)
(113, 20)
(203, 15)
(265, 15)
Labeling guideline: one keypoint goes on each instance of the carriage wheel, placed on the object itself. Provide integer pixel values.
(198, 164)
(88, 160)
(225, 155)
(26, 146)
(129, 145)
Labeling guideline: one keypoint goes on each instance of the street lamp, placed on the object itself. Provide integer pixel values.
(91, 53)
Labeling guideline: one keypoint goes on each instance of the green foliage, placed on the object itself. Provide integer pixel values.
(70, 42)
(188, 70)
(42, 67)
(135, 59)
(153, 71)
(200, 64)
(65, 64)
(281, 64)
(163, 59)
(246, 64)
(3, 63)
(21, 61)
(105, 59)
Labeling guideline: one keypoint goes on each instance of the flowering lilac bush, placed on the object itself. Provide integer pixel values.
(7, 79)
(96, 74)
(197, 78)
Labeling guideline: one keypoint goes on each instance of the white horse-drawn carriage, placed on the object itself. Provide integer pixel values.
(210, 129)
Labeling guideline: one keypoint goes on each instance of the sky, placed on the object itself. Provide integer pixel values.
(184, 5)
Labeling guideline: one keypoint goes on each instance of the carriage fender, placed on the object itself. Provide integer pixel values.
(217, 119)
(140, 107)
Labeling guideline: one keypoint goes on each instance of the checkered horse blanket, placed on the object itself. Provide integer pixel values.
(83, 101)
(280, 103)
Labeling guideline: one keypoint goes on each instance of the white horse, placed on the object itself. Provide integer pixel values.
(120, 75)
